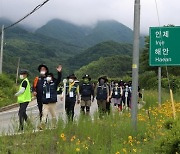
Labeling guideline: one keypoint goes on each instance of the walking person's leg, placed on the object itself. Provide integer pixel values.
(72, 105)
(21, 121)
(104, 107)
(40, 107)
(83, 106)
(88, 105)
(22, 115)
(101, 107)
(52, 110)
(44, 115)
(67, 108)
(114, 104)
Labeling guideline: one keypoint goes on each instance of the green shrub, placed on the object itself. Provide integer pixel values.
(170, 143)
(7, 90)
(148, 80)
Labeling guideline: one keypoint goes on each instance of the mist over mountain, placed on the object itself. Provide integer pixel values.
(87, 36)
(84, 36)
(61, 42)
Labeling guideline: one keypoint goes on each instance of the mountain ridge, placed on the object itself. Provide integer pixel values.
(85, 36)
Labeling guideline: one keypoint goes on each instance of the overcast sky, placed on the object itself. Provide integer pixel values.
(87, 12)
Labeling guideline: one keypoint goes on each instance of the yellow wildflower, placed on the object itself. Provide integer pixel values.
(130, 137)
(124, 150)
(145, 140)
(77, 149)
(130, 141)
(62, 135)
(73, 138)
(78, 142)
(86, 148)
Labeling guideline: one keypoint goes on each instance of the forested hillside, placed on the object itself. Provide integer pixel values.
(114, 67)
(104, 49)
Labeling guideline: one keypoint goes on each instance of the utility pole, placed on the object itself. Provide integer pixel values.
(17, 72)
(135, 64)
(1, 54)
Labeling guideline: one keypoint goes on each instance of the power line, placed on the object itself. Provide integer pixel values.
(35, 9)
(157, 12)
(3, 29)
(167, 72)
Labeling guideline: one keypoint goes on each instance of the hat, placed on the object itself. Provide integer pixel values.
(121, 83)
(42, 65)
(86, 77)
(116, 81)
(72, 76)
(103, 77)
(23, 71)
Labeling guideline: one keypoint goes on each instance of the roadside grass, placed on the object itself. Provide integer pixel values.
(157, 132)
(151, 97)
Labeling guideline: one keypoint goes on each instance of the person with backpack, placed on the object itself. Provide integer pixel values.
(72, 95)
(86, 91)
(102, 95)
(23, 98)
(38, 86)
(126, 96)
(116, 94)
(49, 96)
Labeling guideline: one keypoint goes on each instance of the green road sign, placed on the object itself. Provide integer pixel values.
(164, 46)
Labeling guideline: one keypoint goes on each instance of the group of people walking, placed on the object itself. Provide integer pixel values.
(84, 93)
(45, 90)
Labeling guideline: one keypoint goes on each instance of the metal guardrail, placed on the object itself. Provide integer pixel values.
(8, 107)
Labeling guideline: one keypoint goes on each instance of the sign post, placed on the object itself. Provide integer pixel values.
(159, 85)
(164, 46)
(164, 51)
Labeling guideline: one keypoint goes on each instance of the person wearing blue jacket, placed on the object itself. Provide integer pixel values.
(87, 91)
(102, 95)
(38, 86)
(49, 96)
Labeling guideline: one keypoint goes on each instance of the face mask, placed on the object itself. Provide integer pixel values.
(48, 78)
(21, 77)
(101, 81)
(86, 80)
(71, 80)
(42, 72)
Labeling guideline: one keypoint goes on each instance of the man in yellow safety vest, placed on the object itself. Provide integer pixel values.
(23, 97)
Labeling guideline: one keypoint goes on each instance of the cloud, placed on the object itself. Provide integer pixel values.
(87, 12)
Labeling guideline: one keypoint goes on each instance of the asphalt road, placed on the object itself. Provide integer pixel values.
(9, 120)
